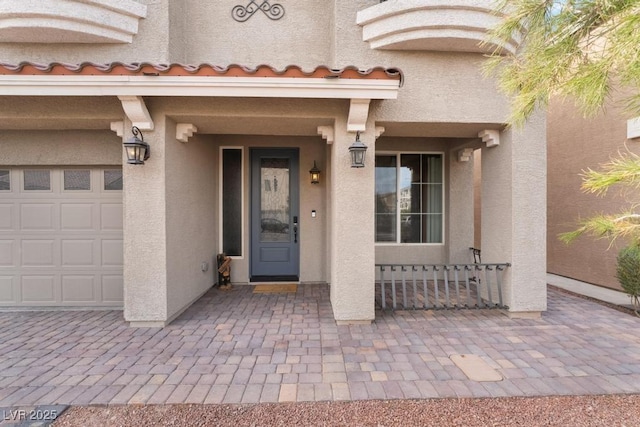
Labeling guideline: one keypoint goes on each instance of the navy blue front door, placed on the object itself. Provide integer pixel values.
(275, 230)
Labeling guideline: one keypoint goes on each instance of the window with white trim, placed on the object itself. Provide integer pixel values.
(409, 198)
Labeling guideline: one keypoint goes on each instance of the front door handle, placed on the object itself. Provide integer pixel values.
(295, 229)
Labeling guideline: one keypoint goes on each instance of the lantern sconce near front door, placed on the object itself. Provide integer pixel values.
(357, 151)
(137, 150)
(315, 174)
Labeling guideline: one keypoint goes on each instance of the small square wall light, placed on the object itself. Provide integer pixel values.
(137, 150)
(315, 174)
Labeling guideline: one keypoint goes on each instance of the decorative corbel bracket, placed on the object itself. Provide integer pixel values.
(358, 114)
(633, 128)
(136, 110)
(327, 133)
(379, 131)
(490, 137)
(184, 131)
(118, 128)
(465, 154)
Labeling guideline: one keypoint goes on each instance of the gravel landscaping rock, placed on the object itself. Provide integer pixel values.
(609, 411)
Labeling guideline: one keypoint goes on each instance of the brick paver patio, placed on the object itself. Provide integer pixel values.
(240, 347)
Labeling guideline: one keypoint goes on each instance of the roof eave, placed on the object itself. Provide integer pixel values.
(198, 86)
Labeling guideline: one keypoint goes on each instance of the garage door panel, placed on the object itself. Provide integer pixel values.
(38, 253)
(111, 216)
(77, 216)
(37, 216)
(78, 253)
(7, 253)
(112, 252)
(6, 215)
(112, 289)
(78, 288)
(38, 289)
(7, 293)
(60, 238)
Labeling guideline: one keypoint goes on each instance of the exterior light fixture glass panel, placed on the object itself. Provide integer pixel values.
(137, 150)
(315, 174)
(357, 151)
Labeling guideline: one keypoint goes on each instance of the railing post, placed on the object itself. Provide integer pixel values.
(455, 276)
(425, 287)
(404, 287)
(382, 290)
(466, 280)
(445, 273)
(436, 292)
(487, 269)
(393, 287)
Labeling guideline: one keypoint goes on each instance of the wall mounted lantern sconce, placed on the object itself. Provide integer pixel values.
(137, 150)
(357, 151)
(315, 174)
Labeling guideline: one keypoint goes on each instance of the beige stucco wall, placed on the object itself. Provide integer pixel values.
(575, 144)
(58, 147)
(514, 213)
(145, 234)
(190, 218)
(300, 37)
(352, 229)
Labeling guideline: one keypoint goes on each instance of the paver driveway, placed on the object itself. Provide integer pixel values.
(240, 347)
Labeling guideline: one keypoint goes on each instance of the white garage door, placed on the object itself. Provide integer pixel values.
(61, 237)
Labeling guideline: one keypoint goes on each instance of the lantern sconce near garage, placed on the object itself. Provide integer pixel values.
(315, 174)
(137, 150)
(357, 151)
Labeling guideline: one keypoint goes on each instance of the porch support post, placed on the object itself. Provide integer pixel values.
(145, 243)
(461, 215)
(514, 214)
(352, 228)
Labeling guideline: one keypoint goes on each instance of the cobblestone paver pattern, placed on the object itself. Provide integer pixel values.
(239, 347)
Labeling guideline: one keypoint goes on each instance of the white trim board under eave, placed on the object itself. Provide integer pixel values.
(261, 87)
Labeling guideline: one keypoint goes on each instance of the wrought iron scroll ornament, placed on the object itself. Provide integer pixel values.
(273, 11)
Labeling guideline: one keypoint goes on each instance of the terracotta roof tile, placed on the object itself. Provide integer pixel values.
(234, 70)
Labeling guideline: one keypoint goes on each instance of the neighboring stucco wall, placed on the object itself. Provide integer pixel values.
(576, 144)
(191, 217)
(58, 147)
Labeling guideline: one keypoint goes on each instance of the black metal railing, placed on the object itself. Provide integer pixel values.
(435, 287)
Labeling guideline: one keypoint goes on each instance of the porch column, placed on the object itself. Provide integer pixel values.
(352, 228)
(461, 215)
(145, 244)
(514, 214)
